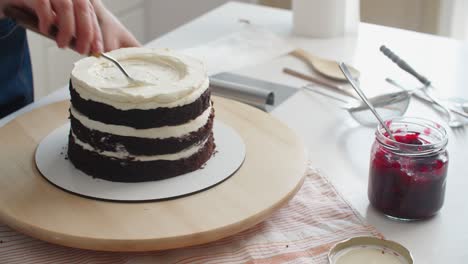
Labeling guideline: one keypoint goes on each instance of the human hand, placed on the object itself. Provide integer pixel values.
(73, 18)
(114, 34)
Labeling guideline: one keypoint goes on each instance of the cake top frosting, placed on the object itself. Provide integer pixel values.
(165, 76)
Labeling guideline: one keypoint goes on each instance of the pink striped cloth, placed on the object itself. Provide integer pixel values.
(301, 232)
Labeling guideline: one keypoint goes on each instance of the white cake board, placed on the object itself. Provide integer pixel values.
(56, 168)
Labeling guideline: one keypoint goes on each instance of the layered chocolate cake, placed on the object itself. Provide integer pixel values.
(153, 130)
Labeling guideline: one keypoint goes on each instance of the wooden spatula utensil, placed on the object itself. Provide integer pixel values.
(327, 68)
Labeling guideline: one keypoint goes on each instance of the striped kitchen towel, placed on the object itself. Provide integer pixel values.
(301, 232)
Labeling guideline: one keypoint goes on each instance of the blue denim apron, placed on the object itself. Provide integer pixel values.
(16, 83)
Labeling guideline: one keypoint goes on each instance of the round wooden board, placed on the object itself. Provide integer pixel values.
(271, 174)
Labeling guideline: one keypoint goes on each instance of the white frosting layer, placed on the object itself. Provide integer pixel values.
(125, 155)
(154, 133)
(170, 79)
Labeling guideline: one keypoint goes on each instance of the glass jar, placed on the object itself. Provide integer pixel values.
(407, 176)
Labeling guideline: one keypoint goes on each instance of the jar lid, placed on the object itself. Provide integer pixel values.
(363, 250)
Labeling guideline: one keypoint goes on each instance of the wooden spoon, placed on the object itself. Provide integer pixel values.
(327, 68)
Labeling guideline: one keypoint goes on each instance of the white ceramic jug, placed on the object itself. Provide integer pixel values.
(325, 18)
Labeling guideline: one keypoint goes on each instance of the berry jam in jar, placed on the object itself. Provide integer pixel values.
(407, 176)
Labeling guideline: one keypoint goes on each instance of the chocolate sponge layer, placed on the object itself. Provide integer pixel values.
(127, 170)
(138, 118)
(103, 141)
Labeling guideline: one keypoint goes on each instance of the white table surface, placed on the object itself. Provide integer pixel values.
(339, 147)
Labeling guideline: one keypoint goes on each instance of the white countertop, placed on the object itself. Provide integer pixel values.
(339, 147)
